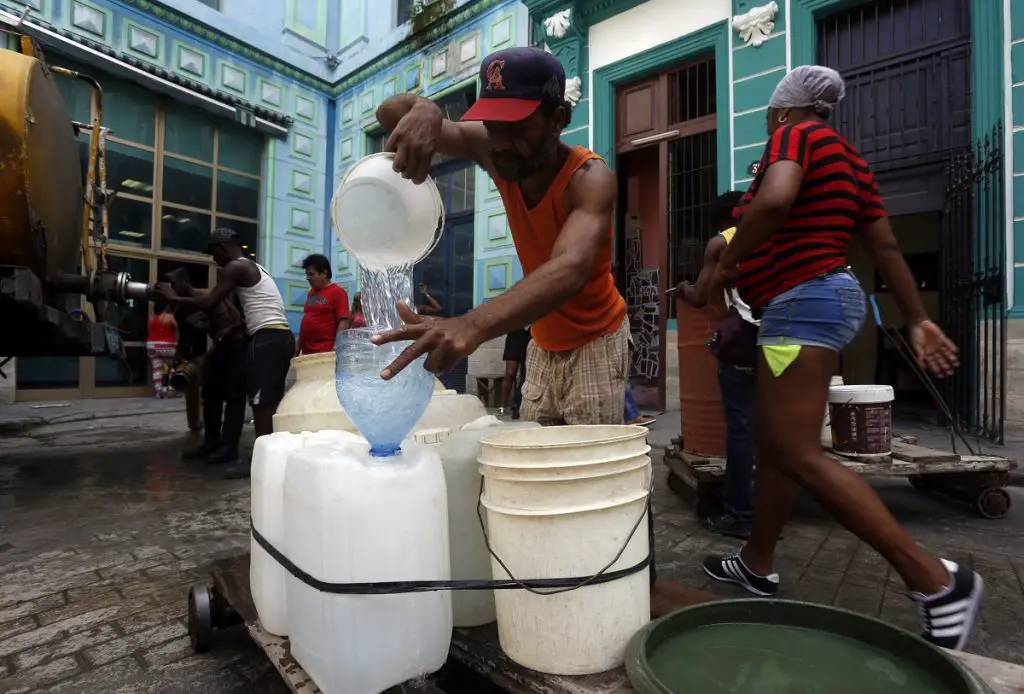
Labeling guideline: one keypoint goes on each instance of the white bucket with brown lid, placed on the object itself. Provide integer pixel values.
(861, 419)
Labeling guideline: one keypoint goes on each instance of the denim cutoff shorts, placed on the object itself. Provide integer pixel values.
(826, 311)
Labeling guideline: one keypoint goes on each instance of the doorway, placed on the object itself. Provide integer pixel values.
(667, 153)
(907, 67)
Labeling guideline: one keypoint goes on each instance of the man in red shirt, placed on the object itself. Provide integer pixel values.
(326, 311)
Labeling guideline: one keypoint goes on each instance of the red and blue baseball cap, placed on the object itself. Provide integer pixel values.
(515, 82)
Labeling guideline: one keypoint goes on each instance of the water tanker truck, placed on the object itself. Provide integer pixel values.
(53, 219)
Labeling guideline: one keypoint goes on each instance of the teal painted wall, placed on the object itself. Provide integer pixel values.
(755, 73)
(1016, 141)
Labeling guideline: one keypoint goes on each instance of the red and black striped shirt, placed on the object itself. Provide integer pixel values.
(837, 198)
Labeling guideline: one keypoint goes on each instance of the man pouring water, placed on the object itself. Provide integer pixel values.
(559, 201)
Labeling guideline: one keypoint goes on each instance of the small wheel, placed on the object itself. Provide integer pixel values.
(916, 481)
(992, 503)
(200, 618)
(676, 485)
(707, 506)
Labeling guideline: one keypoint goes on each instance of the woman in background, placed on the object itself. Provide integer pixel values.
(161, 341)
(356, 315)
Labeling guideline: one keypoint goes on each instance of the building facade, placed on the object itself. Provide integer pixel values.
(676, 96)
(220, 114)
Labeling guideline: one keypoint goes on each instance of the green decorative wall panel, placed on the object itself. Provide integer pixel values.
(143, 42)
(755, 92)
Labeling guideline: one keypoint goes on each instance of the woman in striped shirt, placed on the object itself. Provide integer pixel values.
(812, 193)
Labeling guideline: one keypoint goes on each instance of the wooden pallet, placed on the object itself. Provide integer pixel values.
(975, 480)
(231, 589)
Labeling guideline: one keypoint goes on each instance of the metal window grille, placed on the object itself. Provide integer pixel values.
(908, 79)
(692, 168)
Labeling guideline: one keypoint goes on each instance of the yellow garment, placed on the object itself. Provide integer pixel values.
(780, 357)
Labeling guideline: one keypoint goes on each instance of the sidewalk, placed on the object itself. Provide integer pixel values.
(20, 417)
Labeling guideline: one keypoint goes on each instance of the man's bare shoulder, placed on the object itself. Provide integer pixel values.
(593, 184)
(594, 172)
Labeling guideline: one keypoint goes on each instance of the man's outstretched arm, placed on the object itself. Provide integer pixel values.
(226, 283)
(592, 195)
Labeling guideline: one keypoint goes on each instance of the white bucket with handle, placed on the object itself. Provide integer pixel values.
(383, 219)
(568, 502)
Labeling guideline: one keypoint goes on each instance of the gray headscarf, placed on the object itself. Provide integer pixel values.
(810, 86)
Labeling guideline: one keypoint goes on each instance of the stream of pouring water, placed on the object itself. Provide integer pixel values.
(382, 289)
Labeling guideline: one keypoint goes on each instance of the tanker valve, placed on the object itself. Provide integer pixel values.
(104, 286)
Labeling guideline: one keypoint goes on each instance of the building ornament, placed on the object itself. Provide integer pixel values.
(557, 25)
(757, 24)
(573, 90)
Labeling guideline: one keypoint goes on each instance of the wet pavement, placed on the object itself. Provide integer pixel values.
(103, 528)
(99, 544)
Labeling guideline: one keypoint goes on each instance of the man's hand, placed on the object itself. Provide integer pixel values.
(444, 340)
(162, 290)
(414, 140)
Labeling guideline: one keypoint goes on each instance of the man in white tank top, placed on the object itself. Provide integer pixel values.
(270, 345)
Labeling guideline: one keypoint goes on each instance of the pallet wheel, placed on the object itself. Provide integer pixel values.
(992, 503)
(200, 617)
(705, 502)
(707, 506)
(676, 485)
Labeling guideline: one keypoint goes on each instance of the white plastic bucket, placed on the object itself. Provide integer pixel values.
(562, 502)
(860, 418)
(826, 425)
(385, 220)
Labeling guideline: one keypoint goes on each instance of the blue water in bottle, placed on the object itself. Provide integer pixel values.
(384, 412)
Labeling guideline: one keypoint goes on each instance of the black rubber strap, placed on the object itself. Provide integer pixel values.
(393, 587)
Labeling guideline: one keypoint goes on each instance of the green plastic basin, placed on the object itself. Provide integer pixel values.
(786, 647)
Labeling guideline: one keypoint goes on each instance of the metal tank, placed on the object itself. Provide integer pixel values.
(51, 249)
(40, 174)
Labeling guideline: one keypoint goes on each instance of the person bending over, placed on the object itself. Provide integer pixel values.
(270, 344)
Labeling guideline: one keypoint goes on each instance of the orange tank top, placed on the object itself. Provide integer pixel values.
(598, 309)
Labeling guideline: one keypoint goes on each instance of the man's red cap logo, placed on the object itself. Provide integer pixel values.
(494, 80)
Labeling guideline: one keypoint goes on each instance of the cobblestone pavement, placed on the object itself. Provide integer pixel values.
(104, 528)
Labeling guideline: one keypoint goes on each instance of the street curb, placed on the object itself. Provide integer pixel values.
(25, 424)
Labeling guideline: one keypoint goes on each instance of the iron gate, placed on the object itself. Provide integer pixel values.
(973, 286)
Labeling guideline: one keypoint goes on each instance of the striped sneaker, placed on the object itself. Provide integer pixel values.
(731, 569)
(948, 616)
